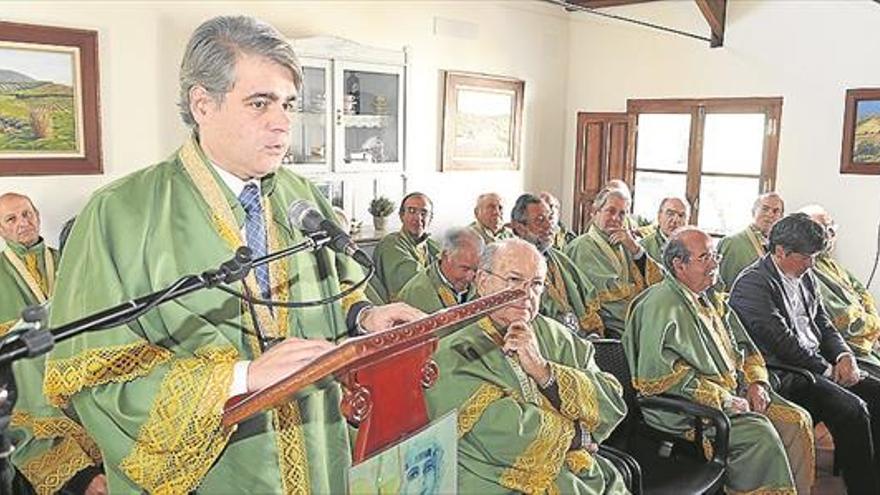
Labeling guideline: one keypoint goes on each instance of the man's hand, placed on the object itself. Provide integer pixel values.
(758, 397)
(380, 318)
(737, 405)
(625, 237)
(283, 359)
(846, 372)
(520, 339)
(98, 486)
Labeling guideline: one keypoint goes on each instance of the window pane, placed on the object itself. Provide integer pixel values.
(726, 203)
(652, 187)
(662, 141)
(733, 143)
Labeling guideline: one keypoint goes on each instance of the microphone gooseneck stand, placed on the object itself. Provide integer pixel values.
(33, 339)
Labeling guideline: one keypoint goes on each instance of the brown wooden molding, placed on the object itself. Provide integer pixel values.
(715, 12)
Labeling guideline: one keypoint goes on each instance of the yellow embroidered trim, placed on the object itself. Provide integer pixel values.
(755, 369)
(556, 288)
(66, 377)
(351, 299)
(709, 394)
(753, 240)
(763, 491)
(578, 461)
(653, 273)
(708, 448)
(5, 327)
(577, 396)
(804, 424)
(291, 445)
(592, 322)
(182, 436)
(446, 296)
(36, 288)
(661, 384)
(49, 471)
(473, 408)
(536, 469)
(57, 427)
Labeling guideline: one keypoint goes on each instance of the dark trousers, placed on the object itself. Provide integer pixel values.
(852, 415)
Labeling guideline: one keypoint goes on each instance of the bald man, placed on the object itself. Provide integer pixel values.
(489, 214)
(65, 457)
(851, 307)
(743, 248)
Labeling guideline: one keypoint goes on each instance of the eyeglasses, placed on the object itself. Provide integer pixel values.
(710, 255)
(536, 286)
(412, 210)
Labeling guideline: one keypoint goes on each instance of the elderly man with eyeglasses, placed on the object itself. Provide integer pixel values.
(849, 305)
(682, 339)
(399, 256)
(532, 403)
(570, 297)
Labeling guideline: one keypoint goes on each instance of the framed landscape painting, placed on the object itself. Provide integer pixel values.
(482, 122)
(860, 153)
(49, 111)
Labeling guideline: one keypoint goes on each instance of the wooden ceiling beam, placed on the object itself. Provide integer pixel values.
(715, 13)
(600, 4)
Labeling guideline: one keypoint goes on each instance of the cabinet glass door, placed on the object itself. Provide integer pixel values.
(369, 117)
(310, 130)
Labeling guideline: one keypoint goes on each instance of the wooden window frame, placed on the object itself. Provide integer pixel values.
(771, 107)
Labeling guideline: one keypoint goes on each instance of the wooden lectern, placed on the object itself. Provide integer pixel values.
(383, 375)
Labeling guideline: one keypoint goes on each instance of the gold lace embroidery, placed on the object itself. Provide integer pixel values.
(709, 394)
(661, 384)
(472, 410)
(577, 396)
(66, 377)
(39, 288)
(6, 327)
(57, 427)
(789, 415)
(535, 471)
(754, 368)
(292, 453)
(182, 435)
(350, 300)
(763, 491)
(51, 470)
(578, 461)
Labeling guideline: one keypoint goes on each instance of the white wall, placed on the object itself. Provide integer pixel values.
(809, 52)
(141, 44)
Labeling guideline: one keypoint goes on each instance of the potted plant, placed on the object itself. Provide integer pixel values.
(380, 208)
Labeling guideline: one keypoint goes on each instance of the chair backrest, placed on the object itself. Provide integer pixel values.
(611, 358)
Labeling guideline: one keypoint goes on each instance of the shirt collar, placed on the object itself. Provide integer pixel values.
(234, 184)
(446, 281)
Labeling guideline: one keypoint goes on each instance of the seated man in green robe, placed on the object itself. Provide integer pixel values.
(570, 298)
(489, 214)
(399, 256)
(446, 282)
(532, 404)
(561, 234)
(151, 393)
(682, 339)
(612, 260)
(851, 307)
(53, 451)
(673, 213)
(743, 248)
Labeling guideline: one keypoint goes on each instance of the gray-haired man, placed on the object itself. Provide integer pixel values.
(151, 393)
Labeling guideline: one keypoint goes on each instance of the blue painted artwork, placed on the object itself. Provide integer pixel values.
(866, 142)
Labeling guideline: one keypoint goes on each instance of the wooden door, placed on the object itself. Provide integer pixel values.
(600, 155)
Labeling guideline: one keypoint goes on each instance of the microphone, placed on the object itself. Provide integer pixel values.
(303, 216)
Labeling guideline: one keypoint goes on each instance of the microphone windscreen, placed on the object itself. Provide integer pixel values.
(303, 215)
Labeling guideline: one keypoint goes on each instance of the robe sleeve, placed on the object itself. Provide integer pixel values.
(154, 413)
(397, 267)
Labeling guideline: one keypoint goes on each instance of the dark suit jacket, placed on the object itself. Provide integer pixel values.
(758, 298)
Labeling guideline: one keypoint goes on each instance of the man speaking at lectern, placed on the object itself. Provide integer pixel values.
(151, 393)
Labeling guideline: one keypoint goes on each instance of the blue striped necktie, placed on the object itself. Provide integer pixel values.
(255, 231)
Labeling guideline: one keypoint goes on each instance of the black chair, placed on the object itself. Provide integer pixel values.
(669, 464)
(627, 465)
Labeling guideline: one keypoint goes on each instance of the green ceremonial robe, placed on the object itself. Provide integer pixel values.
(151, 393)
(428, 291)
(738, 251)
(489, 237)
(50, 446)
(653, 241)
(700, 351)
(851, 308)
(562, 236)
(612, 272)
(511, 437)
(570, 298)
(398, 257)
